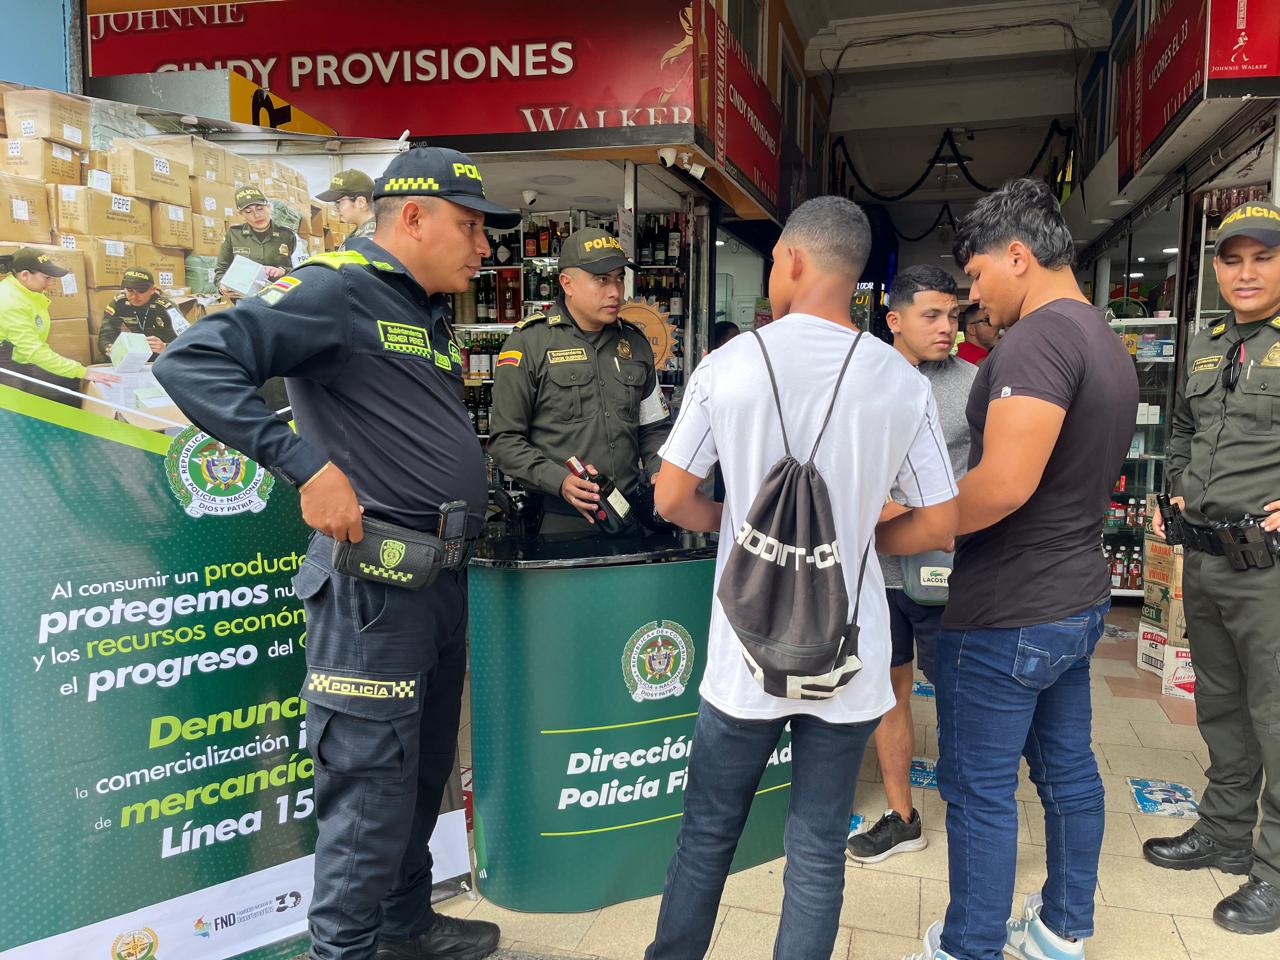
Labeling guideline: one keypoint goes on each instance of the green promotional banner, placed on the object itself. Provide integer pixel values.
(584, 692)
(157, 797)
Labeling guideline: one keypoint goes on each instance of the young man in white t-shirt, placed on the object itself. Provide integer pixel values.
(884, 434)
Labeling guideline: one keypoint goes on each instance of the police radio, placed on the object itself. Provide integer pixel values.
(453, 530)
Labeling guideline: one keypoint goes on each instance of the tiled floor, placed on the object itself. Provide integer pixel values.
(1142, 912)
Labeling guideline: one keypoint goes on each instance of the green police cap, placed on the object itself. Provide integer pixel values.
(136, 278)
(347, 183)
(593, 250)
(439, 172)
(247, 196)
(1258, 220)
(36, 261)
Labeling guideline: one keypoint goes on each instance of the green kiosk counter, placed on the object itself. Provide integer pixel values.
(586, 654)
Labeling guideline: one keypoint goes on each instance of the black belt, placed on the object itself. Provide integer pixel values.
(1244, 543)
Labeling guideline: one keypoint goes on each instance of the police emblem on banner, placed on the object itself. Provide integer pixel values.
(140, 944)
(658, 661)
(208, 477)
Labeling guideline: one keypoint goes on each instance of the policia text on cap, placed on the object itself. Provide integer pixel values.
(375, 380)
(1224, 467)
(579, 382)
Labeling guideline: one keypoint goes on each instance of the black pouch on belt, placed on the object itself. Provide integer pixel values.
(390, 554)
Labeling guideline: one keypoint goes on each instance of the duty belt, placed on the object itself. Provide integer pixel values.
(1245, 544)
(397, 556)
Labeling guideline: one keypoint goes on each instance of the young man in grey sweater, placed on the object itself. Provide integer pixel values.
(923, 315)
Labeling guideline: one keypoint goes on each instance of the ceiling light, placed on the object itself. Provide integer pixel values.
(552, 180)
(1169, 250)
(946, 256)
(1121, 202)
(719, 243)
(1135, 276)
(1142, 259)
(1100, 220)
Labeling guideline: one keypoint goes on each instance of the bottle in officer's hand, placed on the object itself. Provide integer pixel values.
(613, 512)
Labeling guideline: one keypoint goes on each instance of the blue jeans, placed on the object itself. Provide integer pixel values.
(1004, 694)
(725, 767)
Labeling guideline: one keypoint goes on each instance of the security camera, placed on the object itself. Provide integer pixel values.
(668, 156)
(530, 197)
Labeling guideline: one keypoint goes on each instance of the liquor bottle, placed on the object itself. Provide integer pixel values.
(474, 355)
(673, 240)
(509, 306)
(646, 242)
(556, 240)
(482, 411)
(677, 302)
(466, 356)
(613, 512)
(544, 241)
(1135, 571)
(660, 243)
(502, 252)
(1131, 513)
(1118, 566)
(544, 287)
(530, 238)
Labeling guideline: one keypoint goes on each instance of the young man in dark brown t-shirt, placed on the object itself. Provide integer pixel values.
(1051, 417)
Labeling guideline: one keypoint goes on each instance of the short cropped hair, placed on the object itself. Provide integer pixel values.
(834, 231)
(1023, 210)
(722, 331)
(968, 313)
(920, 278)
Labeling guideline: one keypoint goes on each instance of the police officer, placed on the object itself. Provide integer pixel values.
(140, 308)
(258, 238)
(1224, 467)
(351, 193)
(579, 382)
(382, 434)
(24, 328)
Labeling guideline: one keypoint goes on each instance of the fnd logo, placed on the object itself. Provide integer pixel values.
(224, 922)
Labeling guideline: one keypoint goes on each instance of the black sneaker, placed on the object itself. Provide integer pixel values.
(888, 835)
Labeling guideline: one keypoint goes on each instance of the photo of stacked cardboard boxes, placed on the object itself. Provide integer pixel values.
(162, 202)
(1162, 640)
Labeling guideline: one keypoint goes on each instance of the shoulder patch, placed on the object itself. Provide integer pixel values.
(272, 293)
(554, 320)
(509, 358)
(163, 302)
(531, 319)
(336, 259)
(1218, 330)
(1276, 323)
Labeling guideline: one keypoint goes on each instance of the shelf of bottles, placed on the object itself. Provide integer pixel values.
(1151, 342)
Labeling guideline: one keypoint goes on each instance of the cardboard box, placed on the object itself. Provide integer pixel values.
(204, 160)
(70, 338)
(211, 199)
(139, 172)
(1162, 564)
(97, 213)
(239, 171)
(208, 233)
(24, 210)
(166, 264)
(47, 115)
(315, 245)
(68, 295)
(105, 261)
(99, 299)
(41, 160)
(1178, 678)
(171, 226)
(1165, 612)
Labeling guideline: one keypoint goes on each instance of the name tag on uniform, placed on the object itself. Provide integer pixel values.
(1207, 363)
(405, 338)
(566, 356)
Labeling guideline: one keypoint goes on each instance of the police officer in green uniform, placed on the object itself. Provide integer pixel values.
(579, 382)
(351, 193)
(363, 338)
(258, 238)
(1224, 467)
(140, 308)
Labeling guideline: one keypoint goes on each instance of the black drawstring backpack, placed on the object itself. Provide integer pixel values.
(783, 587)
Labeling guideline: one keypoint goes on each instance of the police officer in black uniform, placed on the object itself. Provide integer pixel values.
(375, 379)
(140, 308)
(1224, 469)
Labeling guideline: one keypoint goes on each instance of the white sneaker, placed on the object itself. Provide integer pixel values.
(1029, 939)
(932, 945)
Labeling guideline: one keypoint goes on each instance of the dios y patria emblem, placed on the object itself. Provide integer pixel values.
(658, 661)
(207, 477)
(391, 554)
(138, 944)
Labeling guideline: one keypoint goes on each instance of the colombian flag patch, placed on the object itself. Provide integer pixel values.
(510, 358)
(286, 283)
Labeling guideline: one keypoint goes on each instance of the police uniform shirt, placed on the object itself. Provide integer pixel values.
(159, 317)
(1224, 448)
(273, 248)
(560, 392)
(373, 376)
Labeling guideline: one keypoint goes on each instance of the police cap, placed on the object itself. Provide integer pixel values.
(1255, 219)
(36, 261)
(593, 250)
(136, 278)
(248, 196)
(439, 172)
(347, 183)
